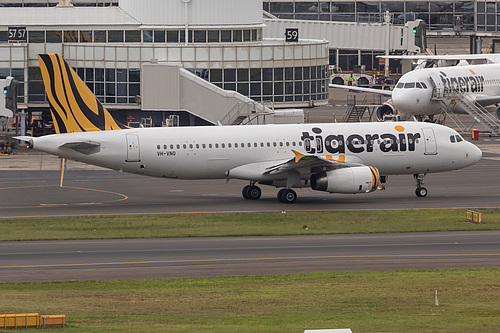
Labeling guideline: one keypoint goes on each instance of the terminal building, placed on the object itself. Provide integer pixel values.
(112, 43)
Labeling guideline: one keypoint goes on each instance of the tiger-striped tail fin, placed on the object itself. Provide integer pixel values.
(73, 106)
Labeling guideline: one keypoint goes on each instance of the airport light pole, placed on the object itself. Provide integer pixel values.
(387, 22)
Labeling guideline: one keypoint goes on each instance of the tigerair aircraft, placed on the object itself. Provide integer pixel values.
(438, 82)
(334, 158)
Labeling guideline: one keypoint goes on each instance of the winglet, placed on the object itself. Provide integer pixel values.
(298, 156)
(340, 159)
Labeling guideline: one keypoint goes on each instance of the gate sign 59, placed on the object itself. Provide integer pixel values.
(291, 35)
(18, 34)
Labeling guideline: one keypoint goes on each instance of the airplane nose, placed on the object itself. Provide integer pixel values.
(474, 154)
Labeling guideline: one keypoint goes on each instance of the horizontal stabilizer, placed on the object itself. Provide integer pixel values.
(24, 138)
(85, 147)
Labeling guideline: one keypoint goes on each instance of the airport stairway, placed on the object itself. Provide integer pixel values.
(356, 112)
(479, 113)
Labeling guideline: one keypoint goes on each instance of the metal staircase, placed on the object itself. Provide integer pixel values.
(355, 112)
(478, 113)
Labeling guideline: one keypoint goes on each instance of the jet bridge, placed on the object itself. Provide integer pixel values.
(354, 36)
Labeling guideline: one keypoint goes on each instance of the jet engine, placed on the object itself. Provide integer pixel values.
(361, 179)
(386, 109)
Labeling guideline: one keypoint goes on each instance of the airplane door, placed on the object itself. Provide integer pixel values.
(133, 150)
(430, 141)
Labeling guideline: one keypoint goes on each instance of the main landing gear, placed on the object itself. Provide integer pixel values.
(287, 195)
(420, 191)
(252, 192)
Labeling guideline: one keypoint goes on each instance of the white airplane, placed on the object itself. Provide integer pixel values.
(335, 158)
(430, 91)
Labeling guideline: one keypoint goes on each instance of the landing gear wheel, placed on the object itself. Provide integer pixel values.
(287, 196)
(251, 192)
(244, 192)
(421, 192)
(254, 192)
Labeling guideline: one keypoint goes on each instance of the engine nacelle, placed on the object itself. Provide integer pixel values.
(362, 179)
(386, 109)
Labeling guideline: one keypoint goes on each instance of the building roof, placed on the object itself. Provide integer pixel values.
(71, 17)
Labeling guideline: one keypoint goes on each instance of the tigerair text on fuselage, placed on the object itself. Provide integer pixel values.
(357, 143)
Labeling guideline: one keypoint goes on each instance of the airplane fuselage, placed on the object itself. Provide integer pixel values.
(212, 152)
(413, 95)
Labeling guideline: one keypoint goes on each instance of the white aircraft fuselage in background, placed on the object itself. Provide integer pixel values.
(480, 82)
(413, 94)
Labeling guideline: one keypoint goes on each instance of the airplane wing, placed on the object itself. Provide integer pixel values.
(484, 100)
(483, 58)
(362, 89)
(300, 164)
(307, 162)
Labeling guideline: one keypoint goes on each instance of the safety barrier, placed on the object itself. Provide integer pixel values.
(31, 320)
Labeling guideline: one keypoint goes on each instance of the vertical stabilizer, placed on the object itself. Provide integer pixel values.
(73, 106)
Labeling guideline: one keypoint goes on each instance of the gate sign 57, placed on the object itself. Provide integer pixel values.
(291, 35)
(18, 34)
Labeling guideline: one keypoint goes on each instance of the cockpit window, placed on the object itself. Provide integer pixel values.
(459, 138)
(400, 85)
(409, 85)
(418, 85)
(452, 139)
(423, 85)
(456, 138)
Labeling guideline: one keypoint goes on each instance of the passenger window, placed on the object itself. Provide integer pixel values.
(210, 145)
(281, 144)
(228, 145)
(178, 146)
(300, 143)
(274, 144)
(268, 144)
(184, 146)
(216, 145)
(203, 146)
(197, 146)
(171, 146)
(223, 145)
(236, 145)
(190, 146)
(158, 147)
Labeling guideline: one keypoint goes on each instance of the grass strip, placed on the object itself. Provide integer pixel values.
(245, 224)
(402, 301)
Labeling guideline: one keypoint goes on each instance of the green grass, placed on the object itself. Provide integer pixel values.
(241, 224)
(363, 301)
